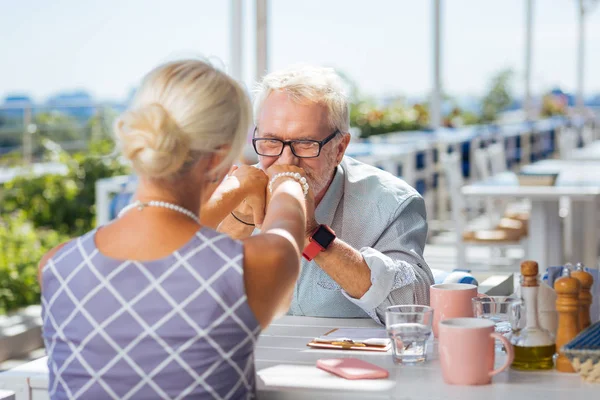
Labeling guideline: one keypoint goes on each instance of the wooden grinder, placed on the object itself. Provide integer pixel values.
(585, 296)
(567, 304)
(529, 272)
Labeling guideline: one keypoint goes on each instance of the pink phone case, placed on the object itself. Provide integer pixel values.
(352, 368)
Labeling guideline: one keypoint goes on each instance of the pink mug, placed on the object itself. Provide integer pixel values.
(451, 300)
(466, 351)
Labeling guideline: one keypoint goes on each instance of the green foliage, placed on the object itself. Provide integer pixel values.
(21, 248)
(554, 104)
(99, 127)
(38, 213)
(12, 159)
(63, 203)
(499, 96)
(56, 126)
(374, 120)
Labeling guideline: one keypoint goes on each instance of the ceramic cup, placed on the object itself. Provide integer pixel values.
(451, 300)
(466, 351)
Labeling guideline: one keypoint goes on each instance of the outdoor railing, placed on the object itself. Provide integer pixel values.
(415, 156)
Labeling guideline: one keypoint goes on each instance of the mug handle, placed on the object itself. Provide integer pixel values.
(510, 354)
(485, 296)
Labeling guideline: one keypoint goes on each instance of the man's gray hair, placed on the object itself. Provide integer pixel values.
(309, 84)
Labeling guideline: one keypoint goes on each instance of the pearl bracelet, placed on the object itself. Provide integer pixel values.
(301, 180)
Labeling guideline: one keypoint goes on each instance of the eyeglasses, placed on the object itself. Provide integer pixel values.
(271, 147)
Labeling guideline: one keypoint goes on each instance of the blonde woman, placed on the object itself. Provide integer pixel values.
(157, 304)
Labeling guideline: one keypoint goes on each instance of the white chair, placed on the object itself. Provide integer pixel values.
(112, 193)
(567, 142)
(482, 163)
(491, 161)
(587, 134)
(505, 234)
(497, 156)
(483, 171)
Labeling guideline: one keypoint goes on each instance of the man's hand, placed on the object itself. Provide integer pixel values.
(253, 182)
(311, 223)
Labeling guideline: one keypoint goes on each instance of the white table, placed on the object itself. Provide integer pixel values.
(588, 153)
(545, 231)
(286, 370)
(578, 173)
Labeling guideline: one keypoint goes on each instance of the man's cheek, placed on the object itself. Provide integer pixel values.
(266, 163)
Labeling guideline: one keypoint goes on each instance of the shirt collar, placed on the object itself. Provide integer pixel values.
(325, 211)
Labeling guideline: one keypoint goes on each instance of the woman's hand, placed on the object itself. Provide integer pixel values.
(253, 183)
(311, 223)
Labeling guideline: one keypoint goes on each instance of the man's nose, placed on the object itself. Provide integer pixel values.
(287, 157)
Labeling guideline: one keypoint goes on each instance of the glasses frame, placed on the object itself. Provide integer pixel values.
(290, 143)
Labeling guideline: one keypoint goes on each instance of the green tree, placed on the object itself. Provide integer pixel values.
(63, 203)
(499, 96)
(99, 127)
(38, 213)
(21, 248)
(57, 127)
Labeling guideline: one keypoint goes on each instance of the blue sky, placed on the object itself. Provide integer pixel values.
(106, 46)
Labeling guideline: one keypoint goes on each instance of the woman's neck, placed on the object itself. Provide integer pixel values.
(182, 195)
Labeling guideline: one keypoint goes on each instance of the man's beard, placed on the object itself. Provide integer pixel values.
(319, 181)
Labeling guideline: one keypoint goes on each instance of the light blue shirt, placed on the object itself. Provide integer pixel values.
(383, 218)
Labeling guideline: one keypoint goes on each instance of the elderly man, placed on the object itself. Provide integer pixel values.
(365, 239)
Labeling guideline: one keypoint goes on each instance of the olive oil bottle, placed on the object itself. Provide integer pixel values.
(534, 346)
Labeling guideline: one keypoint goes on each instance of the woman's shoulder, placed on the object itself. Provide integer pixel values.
(219, 241)
(51, 253)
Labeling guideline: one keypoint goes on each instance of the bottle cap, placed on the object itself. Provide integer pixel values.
(529, 273)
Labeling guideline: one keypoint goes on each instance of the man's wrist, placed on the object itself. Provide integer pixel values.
(310, 230)
(319, 240)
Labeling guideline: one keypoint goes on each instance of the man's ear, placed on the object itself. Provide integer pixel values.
(341, 147)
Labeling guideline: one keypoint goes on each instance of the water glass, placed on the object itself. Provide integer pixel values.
(409, 328)
(498, 309)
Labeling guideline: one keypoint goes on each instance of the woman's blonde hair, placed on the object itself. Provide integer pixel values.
(183, 111)
(308, 83)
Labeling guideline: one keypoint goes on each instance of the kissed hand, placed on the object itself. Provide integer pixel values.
(253, 182)
(311, 223)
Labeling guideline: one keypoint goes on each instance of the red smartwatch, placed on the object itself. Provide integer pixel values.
(319, 241)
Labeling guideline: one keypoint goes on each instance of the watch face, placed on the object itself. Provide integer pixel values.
(323, 236)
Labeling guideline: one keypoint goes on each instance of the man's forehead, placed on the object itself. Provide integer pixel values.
(290, 128)
(286, 135)
(281, 112)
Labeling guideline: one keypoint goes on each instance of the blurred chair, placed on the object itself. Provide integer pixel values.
(567, 142)
(587, 134)
(482, 171)
(482, 163)
(498, 209)
(507, 233)
(112, 195)
(497, 156)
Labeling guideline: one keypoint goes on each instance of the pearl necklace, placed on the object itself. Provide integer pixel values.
(163, 204)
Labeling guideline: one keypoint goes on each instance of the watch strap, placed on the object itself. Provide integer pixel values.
(311, 250)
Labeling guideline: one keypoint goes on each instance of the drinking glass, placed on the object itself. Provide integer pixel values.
(498, 309)
(409, 328)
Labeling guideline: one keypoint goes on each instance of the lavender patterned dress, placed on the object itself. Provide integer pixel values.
(178, 327)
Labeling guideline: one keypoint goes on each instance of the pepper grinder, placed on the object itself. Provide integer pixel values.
(567, 305)
(585, 296)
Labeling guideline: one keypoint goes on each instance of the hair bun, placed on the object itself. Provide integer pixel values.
(151, 139)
